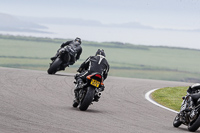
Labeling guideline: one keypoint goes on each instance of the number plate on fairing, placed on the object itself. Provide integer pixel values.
(95, 83)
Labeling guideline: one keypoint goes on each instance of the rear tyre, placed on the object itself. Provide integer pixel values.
(54, 66)
(177, 121)
(87, 99)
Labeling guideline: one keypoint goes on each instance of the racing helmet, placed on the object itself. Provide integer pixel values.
(196, 85)
(78, 40)
(100, 52)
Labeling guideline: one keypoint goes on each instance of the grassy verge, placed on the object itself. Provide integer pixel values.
(126, 60)
(170, 97)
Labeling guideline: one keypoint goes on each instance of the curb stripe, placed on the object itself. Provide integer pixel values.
(147, 96)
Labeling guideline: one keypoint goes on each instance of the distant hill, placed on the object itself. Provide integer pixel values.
(12, 23)
(34, 24)
(83, 22)
(95, 23)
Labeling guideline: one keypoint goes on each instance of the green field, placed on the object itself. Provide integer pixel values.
(170, 97)
(126, 60)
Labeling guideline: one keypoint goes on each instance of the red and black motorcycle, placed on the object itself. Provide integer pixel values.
(90, 91)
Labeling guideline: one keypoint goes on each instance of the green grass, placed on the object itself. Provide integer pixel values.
(126, 60)
(170, 97)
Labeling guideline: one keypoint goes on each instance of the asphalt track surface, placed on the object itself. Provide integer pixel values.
(35, 102)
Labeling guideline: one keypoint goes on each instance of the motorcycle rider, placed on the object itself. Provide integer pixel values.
(76, 46)
(193, 94)
(189, 101)
(97, 63)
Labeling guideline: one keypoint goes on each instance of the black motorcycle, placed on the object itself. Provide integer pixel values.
(89, 92)
(189, 116)
(62, 60)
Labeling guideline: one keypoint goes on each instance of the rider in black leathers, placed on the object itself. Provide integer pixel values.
(76, 45)
(97, 63)
(194, 94)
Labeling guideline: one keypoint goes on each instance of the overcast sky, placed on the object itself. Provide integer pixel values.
(173, 14)
(158, 13)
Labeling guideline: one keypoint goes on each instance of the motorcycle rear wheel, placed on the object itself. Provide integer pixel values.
(87, 99)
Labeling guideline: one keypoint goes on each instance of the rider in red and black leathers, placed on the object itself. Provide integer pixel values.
(97, 63)
(76, 46)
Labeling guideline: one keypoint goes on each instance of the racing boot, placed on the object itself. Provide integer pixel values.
(53, 58)
(76, 101)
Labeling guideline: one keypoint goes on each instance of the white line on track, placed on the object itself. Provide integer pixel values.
(147, 96)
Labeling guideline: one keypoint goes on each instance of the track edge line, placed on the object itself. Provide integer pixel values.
(147, 96)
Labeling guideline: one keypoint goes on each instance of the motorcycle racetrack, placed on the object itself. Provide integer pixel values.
(35, 102)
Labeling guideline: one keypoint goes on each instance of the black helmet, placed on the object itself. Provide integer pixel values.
(100, 52)
(78, 39)
(197, 86)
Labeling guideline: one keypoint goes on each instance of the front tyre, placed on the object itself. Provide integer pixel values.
(177, 121)
(193, 126)
(87, 99)
(54, 66)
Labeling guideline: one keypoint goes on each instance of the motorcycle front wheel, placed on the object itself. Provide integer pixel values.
(177, 121)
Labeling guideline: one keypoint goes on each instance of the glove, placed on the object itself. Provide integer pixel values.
(61, 50)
